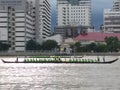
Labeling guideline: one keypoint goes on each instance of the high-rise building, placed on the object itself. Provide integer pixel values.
(43, 19)
(116, 5)
(24, 20)
(16, 19)
(74, 12)
(112, 18)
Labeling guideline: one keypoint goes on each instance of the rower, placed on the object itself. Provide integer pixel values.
(103, 58)
(98, 58)
(16, 60)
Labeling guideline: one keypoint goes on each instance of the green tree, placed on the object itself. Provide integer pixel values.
(113, 43)
(91, 47)
(77, 46)
(33, 45)
(4, 46)
(101, 48)
(49, 45)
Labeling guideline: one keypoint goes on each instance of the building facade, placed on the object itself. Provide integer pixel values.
(72, 31)
(112, 18)
(116, 5)
(16, 18)
(74, 12)
(42, 19)
(24, 20)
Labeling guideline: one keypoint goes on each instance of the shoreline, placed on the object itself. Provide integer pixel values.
(14, 54)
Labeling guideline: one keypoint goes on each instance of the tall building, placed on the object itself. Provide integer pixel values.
(116, 5)
(74, 12)
(17, 21)
(24, 20)
(112, 18)
(43, 19)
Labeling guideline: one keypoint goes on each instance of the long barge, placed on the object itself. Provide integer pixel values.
(62, 60)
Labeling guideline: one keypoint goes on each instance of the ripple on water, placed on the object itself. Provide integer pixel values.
(59, 77)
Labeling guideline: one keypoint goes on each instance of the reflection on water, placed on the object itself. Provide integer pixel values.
(59, 77)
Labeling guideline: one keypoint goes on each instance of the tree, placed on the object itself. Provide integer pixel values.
(49, 45)
(33, 45)
(113, 43)
(101, 48)
(4, 46)
(91, 47)
(77, 46)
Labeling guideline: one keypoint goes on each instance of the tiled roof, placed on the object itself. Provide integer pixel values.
(96, 36)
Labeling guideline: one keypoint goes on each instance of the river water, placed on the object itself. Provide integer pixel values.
(60, 76)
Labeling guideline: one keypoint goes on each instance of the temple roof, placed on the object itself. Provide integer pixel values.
(96, 36)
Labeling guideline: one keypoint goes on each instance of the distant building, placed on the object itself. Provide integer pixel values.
(95, 37)
(70, 31)
(116, 5)
(74, 12)
(111, 21)
(22, 20)
(112, 18)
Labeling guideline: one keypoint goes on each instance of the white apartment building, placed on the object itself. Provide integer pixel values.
(43, 19)
(24, 20)
(112, 18)
(16, 18)
(74, 12)
(116, 5)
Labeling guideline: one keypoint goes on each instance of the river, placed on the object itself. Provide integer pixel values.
(60, 76)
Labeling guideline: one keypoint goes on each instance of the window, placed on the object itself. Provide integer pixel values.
(13, 24)
(13, 19)
(13, 14)
(13, 9)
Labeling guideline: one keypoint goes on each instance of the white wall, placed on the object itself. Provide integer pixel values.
(20, 38)
(3, 34)
(3, 19)
(20, 49)
(3, 24)
(20, 29)
(20, 24)
(20, 43)
(20, 19)
(3, 14)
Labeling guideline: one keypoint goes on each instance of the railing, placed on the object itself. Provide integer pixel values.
(50, 53)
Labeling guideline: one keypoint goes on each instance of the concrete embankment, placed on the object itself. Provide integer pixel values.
(54, 53)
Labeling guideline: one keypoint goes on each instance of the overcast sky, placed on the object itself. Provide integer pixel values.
(97, 11)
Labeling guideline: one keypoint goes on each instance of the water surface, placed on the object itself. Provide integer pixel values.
(60, 76)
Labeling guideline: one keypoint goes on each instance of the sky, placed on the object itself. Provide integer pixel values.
(98, 7)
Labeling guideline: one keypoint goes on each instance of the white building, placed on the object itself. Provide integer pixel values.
(3, 35)
(112, 18)
(16, 18)
(24, 20)
(42, 19)
(74, 12)
(116, 5)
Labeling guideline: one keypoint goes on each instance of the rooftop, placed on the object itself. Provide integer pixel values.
(96, 36)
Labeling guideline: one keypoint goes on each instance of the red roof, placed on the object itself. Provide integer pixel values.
(96, 36)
